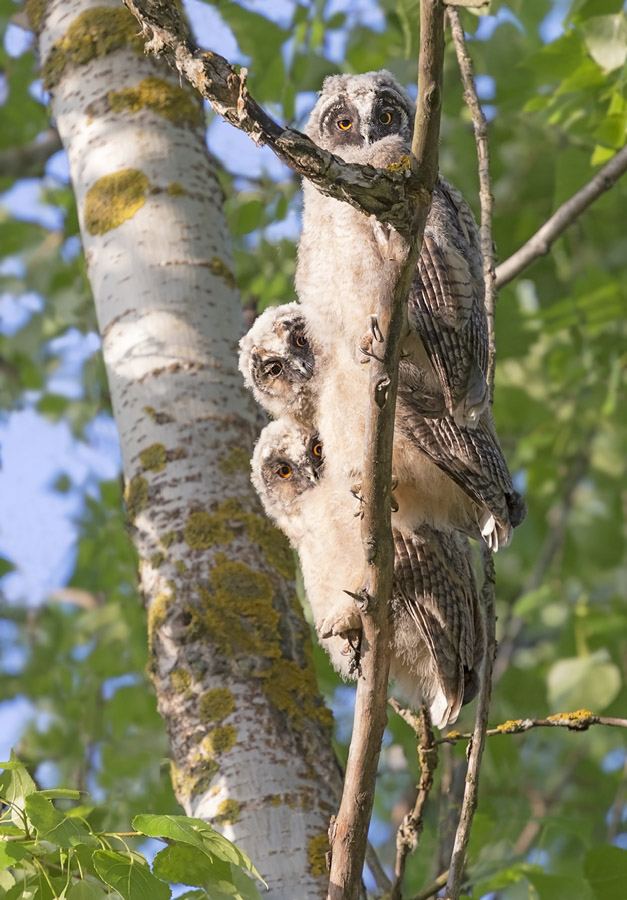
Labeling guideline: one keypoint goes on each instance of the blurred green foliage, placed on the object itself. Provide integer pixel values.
(552, 818)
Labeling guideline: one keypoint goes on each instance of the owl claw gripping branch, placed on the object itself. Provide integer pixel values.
(451, 480)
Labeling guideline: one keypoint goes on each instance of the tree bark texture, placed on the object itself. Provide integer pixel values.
(230, 649)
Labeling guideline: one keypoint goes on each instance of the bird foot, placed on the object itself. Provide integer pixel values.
(373, 334)
(382, 235)
(356, 492)
(344, 621)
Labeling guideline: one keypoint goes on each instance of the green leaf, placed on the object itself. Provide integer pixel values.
(85, 890)
(181, 863)
(560, 887)
(606, 40)
(60, 794)
(195, 832)
(10, 853)
(606, 870)
(5, 566)
(55, 827)
(130, 879)
(588, 682)
(15, 786)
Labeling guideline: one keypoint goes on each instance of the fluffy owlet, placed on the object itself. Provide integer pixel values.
(278, 360)
(368, 119)
(449, 476)
(438, 641)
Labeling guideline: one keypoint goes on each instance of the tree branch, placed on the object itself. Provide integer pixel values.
(431, 889)
(469, 802)
(409, 833)
(392, 197)
(30, 160)
(579, 720)
(563, 218)
(349, 832)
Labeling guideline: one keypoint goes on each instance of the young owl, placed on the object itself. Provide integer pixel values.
(277, 359)
(368, 119)
(449, 476)
(437, 645)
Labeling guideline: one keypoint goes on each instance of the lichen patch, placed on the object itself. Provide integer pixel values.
(113, 199)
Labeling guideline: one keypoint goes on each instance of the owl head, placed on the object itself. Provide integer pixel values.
(277, 361)
(287, 463)
(354, 113)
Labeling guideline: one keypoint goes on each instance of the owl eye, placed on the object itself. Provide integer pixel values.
(301, 340)
(344, 124)
(274, 369)
(284, 471)
(385, 118)
(317, 449)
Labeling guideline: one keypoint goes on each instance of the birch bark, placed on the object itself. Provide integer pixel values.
(231, 652)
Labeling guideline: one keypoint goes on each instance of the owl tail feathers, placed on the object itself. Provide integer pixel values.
(446, 704)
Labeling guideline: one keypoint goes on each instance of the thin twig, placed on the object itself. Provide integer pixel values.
(392, 197)
(542, 240)
(349, 832)
(409, 833)
(469, 803)
(373, 862)
(29, 161)
(579, 720)
(486, 200)
(431, 889)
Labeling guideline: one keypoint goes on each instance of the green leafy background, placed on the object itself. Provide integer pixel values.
(551, 819)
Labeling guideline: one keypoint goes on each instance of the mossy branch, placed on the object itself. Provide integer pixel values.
(579, 720)
(392, 196)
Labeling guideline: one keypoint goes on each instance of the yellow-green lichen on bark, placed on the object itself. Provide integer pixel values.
(317, 849)
(113, 199)
(95, 32)
(220, 269)
(227, 812)
(236, 460)
(219, 740)
(175, 190)
(153, 458)
(215, 705)
(238, 618)
(181, 680)
(157, 612)
(180, 567)
(156, 559)
(168, 539)
(194, 782)
(160, 96)
(203, 530)
(136, 496)
(35, 11)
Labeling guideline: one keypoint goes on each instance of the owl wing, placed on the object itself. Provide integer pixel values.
(446, 305)
(471, 457)
(434, 580)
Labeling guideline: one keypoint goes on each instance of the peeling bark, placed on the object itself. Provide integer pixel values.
(230, 650)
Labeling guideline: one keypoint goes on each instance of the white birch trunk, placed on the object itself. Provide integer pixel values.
(249, 735)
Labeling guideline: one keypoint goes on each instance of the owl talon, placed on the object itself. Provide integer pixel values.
(382, 237)
(365, 347)
(343, 621)
(356, 492)
(374, 328)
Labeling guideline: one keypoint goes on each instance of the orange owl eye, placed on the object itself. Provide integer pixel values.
(274, 369)
(284, 471)
(301, 340)
(385, 118)
(317, 448)
(344, 124)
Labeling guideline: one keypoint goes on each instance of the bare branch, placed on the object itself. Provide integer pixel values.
(563, 218)
(580, 720)
(29, 161)
(468, 4)
(469, 803)
(431, 889)
(410, 830)
(349, 832)
(486, 200)
(390, 196)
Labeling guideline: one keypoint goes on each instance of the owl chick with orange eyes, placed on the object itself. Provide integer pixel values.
(438, 641)
(369, 119)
